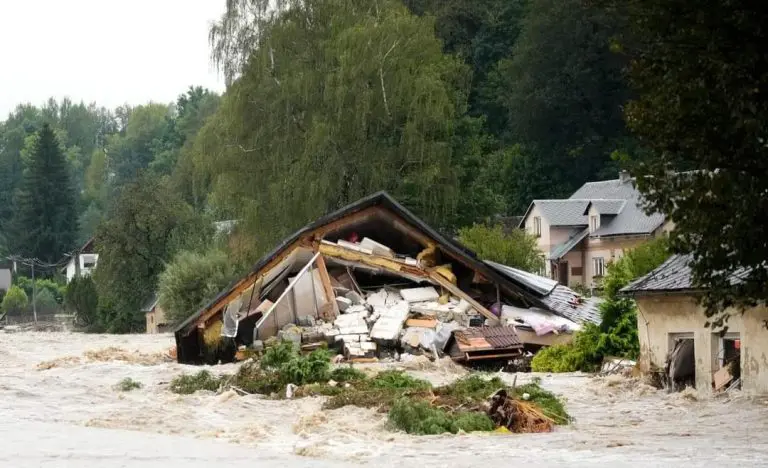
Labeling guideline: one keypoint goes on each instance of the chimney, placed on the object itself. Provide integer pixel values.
(624, 176)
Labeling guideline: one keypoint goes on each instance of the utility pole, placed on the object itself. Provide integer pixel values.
(34, 291)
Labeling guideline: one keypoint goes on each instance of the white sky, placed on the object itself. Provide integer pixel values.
(110, 52)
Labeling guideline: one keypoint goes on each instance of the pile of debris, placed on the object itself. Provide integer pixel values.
(372, 324)
(375, 281)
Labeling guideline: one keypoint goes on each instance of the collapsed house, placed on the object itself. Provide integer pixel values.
(373, 279)
(676, 341)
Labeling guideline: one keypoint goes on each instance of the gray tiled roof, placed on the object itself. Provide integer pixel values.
(563, 212)
(607, 207)
(674, 275)
(560, 250)
(631, 219)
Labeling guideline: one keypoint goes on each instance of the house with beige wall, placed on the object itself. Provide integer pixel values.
(155, 316)
(581, 235)
(668, 313)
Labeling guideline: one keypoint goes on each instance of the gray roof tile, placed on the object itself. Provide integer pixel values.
(631, 219)
(563, 212)
(607, 207)
(672, 275)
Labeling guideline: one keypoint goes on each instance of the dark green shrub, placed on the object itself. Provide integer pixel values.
(418, 417)
(187, 384)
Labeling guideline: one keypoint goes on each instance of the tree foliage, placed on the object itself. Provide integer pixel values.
(45, 218)
(699, 71)
(338, 99)
(617, 333)
(147, 225)
(191, 279)
(82, 299)
(517, 248)
(15, 301)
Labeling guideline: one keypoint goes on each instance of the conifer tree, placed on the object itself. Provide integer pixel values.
(45, 220)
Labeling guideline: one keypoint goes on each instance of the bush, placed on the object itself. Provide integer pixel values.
(517, 249)
(82, 299)
(128, 384)
(398, 380)
(15, 301)
(188, 384)
(617, 333)
(347, 374)
(191, 279)
(45, 302)
(418, 417)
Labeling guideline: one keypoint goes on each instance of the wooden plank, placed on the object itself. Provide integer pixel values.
(325, 278)
(335, 251)
(425, 323)
(722, 377)
(453, 289)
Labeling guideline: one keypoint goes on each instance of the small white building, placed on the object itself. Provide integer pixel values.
(88, 259)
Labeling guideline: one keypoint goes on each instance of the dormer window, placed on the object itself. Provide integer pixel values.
(537, 226)
(594, 223)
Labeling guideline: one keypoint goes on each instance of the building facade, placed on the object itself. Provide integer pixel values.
(581, 235)
(668, 312)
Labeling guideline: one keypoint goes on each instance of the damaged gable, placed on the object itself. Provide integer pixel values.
(359, 273)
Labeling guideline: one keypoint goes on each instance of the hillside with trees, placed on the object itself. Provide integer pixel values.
(464, 110)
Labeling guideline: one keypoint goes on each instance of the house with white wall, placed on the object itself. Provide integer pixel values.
(86, 256)
(582, 234)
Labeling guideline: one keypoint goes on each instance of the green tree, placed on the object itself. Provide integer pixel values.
(45, 221)
(190, 280)
(617, 333)
(15, 301)
(563, 92)
(701, 112)
(516, 248)
(82, 299)
(147, 223)
(345, 97)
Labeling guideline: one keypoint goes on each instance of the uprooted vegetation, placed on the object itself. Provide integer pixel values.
(128, 384)
(472, 403)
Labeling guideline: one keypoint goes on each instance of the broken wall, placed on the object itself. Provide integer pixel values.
(660, 316)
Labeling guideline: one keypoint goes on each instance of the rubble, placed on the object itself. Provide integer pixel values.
(402, 288)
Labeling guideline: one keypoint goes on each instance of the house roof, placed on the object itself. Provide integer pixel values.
(672, 276)
(557, 298)
(630, 219)
(563, 212)
(382, 199)
(560, 250)
(150, 304)
(606, 207)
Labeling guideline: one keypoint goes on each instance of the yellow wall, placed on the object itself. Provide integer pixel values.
(660, 316)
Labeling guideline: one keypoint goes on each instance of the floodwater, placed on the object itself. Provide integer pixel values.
(59, 407)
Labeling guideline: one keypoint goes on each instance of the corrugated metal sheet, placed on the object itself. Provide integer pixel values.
(536, 283)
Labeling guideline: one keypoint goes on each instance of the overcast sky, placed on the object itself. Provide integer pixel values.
(110, 52)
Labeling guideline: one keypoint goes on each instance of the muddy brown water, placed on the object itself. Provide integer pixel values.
(67, 412)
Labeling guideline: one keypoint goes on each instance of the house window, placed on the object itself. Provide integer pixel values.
(537, 226)
(593, 223)
(598, 266)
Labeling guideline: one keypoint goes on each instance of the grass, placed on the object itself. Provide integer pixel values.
(412, 404)
(186, 384)
(128, 384)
